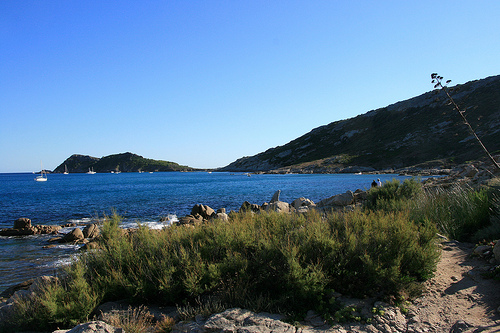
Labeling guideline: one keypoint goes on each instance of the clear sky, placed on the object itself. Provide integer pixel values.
(203, 83)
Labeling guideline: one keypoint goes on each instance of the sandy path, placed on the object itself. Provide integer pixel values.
(458, 292)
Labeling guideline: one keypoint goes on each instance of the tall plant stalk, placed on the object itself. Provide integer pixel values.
(438, 84)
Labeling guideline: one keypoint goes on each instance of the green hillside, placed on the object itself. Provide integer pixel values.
(407, 133)
(125, 162)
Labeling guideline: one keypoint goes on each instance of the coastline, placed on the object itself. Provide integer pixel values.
(459, 176)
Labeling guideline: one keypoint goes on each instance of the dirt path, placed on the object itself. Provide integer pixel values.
(458, 292)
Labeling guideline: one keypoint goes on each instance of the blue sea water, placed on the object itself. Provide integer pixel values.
(144, 197)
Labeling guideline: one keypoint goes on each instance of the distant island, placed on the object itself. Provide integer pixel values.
(125, 162)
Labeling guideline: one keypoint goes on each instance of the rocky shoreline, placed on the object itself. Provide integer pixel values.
(376, 316)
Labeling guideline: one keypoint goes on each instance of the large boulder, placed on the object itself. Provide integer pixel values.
(22, 222)
(91, 231)
(74, 235)
(205, 211)
(190, 219)
(301, 202)
(302, 205)
(360, 195)
(278, 206)
(339, 200)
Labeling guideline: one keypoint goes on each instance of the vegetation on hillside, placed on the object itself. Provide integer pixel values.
(125, 162)
(418, 130)
(287, 263)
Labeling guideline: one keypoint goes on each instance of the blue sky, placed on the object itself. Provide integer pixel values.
(203, 83)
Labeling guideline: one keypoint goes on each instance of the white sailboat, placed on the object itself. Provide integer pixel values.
(91, 172)
(43, 175)
(65, 170)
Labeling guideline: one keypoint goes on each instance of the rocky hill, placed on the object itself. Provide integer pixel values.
(126, 162)
(423, 129)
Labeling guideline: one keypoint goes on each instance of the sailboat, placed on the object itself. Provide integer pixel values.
(65, 170)
(91, 172)
(43, 175)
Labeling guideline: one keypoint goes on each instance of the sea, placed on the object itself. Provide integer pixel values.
(153, 199)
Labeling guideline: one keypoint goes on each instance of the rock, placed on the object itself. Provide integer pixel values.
(68, 225)
(73, 236)
(481, 249)
(203, 210)
(41, 282)
(7, 293)
(276, 197)
(18, 232)
(302, 202)
(344, 199)
(360, 195)
(222, 216)
(93, 327)
(221, 210)
(248, 207)
(460, 326)
(22, 222)
(91, 231)
(190, 219)
(90, 246)
(47, 229)
(34, 288)
(32, 230)
(469, 171)
(239, 320)
(278, 206)
(496, 251)
(314, 319)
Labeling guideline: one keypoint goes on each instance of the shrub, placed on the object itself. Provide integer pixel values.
(133, 320)
(64, 303)
(274, 259)
(393, 195)
(458, 212)
(266, 262)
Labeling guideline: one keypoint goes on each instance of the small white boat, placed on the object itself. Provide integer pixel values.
(65, 170)
(43, 175)
(91, 172)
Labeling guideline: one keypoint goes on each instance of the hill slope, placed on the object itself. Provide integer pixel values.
(407, 133)
(126, 162)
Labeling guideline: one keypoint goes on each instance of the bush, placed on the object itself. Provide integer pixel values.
(265, 262)
(459, 212)
(64, 303)
(393, 195)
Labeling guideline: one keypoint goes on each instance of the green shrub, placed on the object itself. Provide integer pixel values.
(458, 212)
(285, 259)
(263, 262)
(393, 195)
(64, 303)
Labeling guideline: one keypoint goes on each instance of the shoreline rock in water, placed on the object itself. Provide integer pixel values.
(23, 227)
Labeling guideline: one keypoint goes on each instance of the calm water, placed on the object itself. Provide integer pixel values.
(135, 196)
